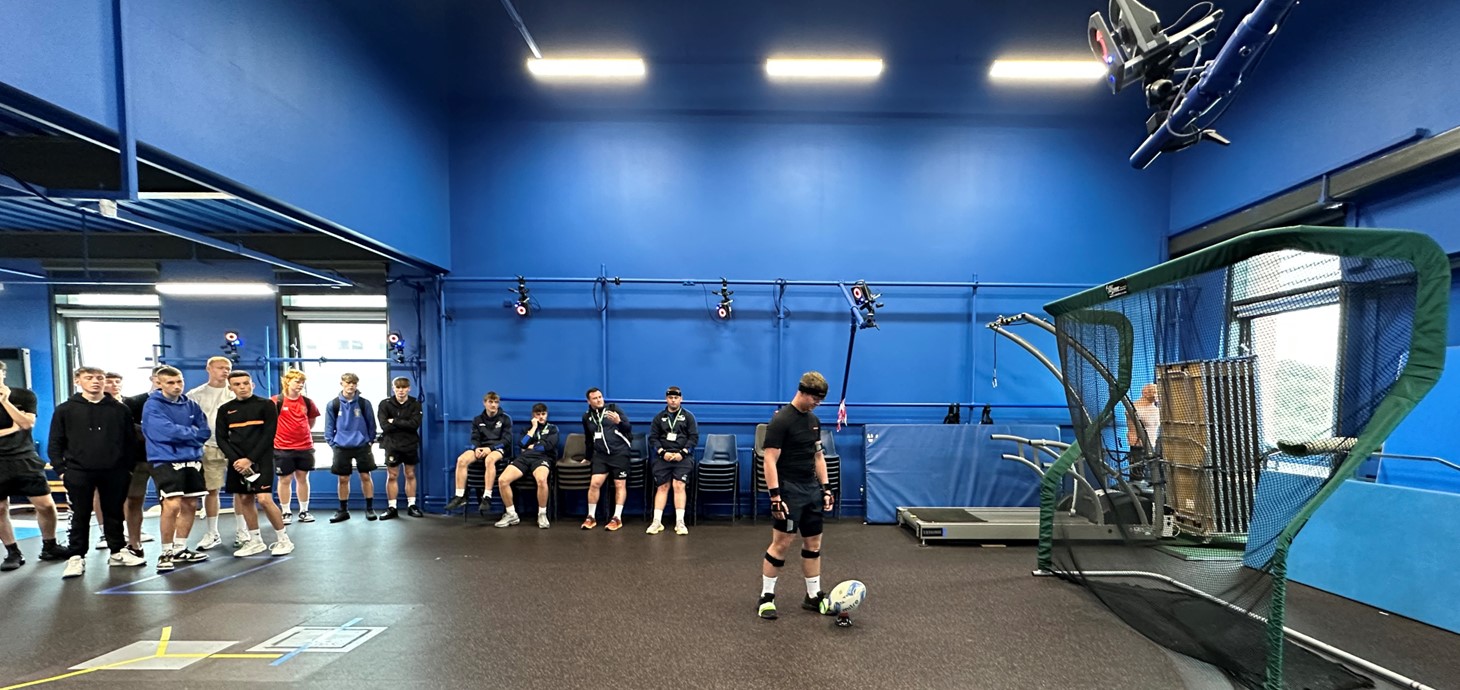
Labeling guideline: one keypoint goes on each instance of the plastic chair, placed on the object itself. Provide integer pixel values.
(718, 472)
(758, 486)
(572, 472)
(639, 471)
(833, 468)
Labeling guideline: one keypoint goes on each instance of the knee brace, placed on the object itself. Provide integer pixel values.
(777, 562)
(807, 553)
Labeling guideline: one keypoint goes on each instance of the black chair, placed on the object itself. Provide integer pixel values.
(718, 472)
(639, 472)
(572, 472)
(833, 468)
(758, 487)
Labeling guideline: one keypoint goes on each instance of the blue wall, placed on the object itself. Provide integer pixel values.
(1341, 81)
(193, 327)
(287, 98)
(27, 312)
(763, 198)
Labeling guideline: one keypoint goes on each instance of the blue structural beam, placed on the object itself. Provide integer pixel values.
(127, 137)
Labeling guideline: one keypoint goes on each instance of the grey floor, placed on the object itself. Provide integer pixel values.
(464, 604)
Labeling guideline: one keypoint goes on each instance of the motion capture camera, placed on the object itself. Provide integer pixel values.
(866, 300)
(1135, 47)
(523, 304)
(231, 342)
(724, 310)
(397, 346)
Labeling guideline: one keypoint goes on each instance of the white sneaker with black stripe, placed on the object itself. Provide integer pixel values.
(125, 559)
(75, 567)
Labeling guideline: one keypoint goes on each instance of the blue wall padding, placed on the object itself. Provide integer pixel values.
(1391, 547)
(947, 465)
(1419, 474)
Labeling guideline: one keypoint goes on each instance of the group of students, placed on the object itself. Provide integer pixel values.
(673, 435)
(221, 437)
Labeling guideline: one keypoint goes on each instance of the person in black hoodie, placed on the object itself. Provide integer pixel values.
(491, 438)
(245, 427)
(400, 438)
(91, 444)
(608, 431)
(23, 474)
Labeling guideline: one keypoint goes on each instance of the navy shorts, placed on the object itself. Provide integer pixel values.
(364, 460)
(528, 465)
(394, 458)
(665, 471)
(615, 465)
(804, 507)
(287, 462)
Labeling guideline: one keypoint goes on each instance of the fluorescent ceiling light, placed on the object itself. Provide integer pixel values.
(335, 301)
(586, 68)
(222, 196)
(96, 299)
(1047, 70)
(215, 289)
(823, 68)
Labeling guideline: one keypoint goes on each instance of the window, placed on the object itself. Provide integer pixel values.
(116, 333)
(331, 336)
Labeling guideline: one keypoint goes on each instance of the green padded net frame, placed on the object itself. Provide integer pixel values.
(1217, 400)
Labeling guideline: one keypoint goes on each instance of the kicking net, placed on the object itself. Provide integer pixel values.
(1217, 400)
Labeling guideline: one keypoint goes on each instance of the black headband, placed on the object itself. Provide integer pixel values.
(818, 392)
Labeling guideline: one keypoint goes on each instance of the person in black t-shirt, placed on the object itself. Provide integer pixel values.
(22, 473)
(795, 477)
(246, 426)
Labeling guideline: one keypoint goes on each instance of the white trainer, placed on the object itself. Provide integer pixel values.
(253, 547)
(209, 541)
(654, 528)
(75, 567)
(542, 522)
(283, 547)
(508, 519)
(681, 530)
(125, 559)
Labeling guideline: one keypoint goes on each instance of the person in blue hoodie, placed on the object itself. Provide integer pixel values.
(349, 429)
(175, 429)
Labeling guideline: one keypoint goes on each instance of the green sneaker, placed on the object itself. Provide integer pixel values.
(767, 608)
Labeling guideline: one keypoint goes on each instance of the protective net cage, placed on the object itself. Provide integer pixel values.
(1217, 400)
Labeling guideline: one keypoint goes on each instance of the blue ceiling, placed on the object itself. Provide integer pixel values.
(204, 216)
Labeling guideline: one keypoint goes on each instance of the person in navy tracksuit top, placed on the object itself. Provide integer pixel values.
(175, 429)
(349, 429)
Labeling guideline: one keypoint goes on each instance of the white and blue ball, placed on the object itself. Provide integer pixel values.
(846, 596)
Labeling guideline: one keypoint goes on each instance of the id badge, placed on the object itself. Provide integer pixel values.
(598, 436)
(671, 436)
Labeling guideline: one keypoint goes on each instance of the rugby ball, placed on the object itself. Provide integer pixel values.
(846, 596)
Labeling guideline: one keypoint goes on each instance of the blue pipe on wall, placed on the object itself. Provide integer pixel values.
(775, 282)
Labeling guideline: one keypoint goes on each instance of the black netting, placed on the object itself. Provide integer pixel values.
(1209, 412)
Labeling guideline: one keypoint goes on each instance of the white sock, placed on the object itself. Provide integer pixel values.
(391, 503)
(542, 512)
(304, 506)
(412, 500)
(618, 511)
(282, 533)
(511, 510)
(460, 493)
(239, 524)
(487, 493)
(253, 535)
(179, 545)
(679, 516)
(813, 586)
(767, 585)
(213, 525)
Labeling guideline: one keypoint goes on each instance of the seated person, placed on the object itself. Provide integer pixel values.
(491, 431)
(539, 449)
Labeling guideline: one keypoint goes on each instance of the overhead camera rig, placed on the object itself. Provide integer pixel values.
(1185, 93)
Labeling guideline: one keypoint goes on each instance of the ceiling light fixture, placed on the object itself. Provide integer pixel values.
(586, 68)
(823, 68)
(215, 289)
(1047, 70)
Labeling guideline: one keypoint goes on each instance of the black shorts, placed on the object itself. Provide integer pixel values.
(616, 465)
(287, 462)
(804, 506)
(665, 471)
(529, 464)
(174, 479)
(233, 482)
(364, 460)
(28, 484)
(394, 458)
